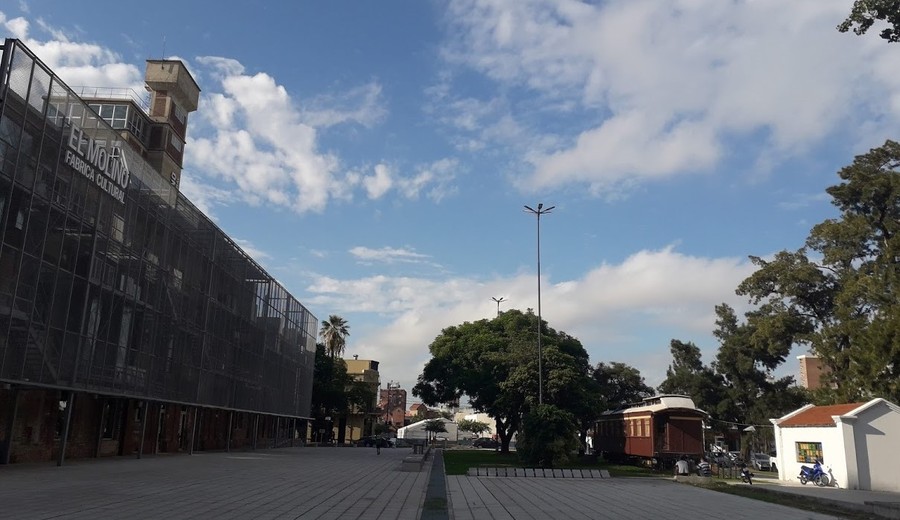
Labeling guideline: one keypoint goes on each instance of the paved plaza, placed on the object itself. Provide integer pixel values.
(345, 483)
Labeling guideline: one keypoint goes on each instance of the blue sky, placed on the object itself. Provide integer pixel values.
(375, 157)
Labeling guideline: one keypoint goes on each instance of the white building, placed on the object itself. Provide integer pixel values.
(471, 415)
(417, 430)
(858, 442)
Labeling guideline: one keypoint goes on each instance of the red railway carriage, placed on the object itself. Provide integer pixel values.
(663, 427)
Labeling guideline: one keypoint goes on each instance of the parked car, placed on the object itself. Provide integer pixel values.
(761, 461)
(369, 441)
(486, 442)
(773, 461)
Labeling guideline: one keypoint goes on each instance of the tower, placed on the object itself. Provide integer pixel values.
(173, 95)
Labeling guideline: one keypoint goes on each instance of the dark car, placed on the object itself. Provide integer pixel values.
(366, 442)
(486, 442)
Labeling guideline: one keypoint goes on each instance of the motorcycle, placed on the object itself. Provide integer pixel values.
(814, 474)
(746, 475)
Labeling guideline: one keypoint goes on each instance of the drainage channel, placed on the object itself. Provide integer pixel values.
(435, 505)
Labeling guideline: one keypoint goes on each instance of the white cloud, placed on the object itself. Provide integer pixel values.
(434, 179)
(387, 255)
(614, 310)
(379, 182)
(361, 105)
(18, 27)
(255, 253)
(204, 196)
(669, 83)
(80, 64)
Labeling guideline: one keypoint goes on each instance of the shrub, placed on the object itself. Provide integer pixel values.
(548, 437)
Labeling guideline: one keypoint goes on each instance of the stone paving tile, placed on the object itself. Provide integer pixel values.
(474, 498)
(339, 483)
(289, 483)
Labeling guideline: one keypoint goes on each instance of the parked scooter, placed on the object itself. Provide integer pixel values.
(746, 475)
(814, 474)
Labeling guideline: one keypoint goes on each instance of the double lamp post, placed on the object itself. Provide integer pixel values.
(541, 210)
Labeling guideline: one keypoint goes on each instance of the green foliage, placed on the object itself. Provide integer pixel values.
(334, 334)
(748, 353)
(361, 397)
(494, 363)
(865, 13)
(435, 426)
(687, 375)
(469, 425)
(330, 396)
(845, 308)
(619, 384)
(548, 438)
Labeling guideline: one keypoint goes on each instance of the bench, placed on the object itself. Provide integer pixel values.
(415, 461)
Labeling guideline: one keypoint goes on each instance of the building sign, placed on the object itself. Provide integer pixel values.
(103, 165)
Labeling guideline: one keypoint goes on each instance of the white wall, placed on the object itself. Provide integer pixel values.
(471, 415)
(877, 436)
(862, 451)
(832, 451)
(417, 431)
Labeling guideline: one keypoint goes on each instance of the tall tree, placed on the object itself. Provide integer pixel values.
(839, 294)
(687, 375)
(473, 426)
(865, 13)
(494, 363)
(434, 427)
(330, 391)
(620, 384)
(334, 334)
(748, 354)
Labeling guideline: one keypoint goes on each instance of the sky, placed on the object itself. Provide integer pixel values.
(376, 157)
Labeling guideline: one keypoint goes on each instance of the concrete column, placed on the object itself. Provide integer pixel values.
(146, 407)
(159, 425)
(103, 402)
(228, 437)
(779, 450)
(277, 426)
(7, 450)
(64, 437)
(193, 430)
(255, 429)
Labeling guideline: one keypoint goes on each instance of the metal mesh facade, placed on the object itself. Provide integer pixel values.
(132, 292)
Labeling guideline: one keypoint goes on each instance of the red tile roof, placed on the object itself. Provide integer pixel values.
(819, 415)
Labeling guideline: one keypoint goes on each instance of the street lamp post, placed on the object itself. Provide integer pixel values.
(538, 212)
(502, 299)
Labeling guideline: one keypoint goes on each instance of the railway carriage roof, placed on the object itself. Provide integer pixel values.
(658, 403)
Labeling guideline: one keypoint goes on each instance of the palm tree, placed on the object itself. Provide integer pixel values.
(334, 334)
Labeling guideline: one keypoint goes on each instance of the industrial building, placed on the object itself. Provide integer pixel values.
(130, 323)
